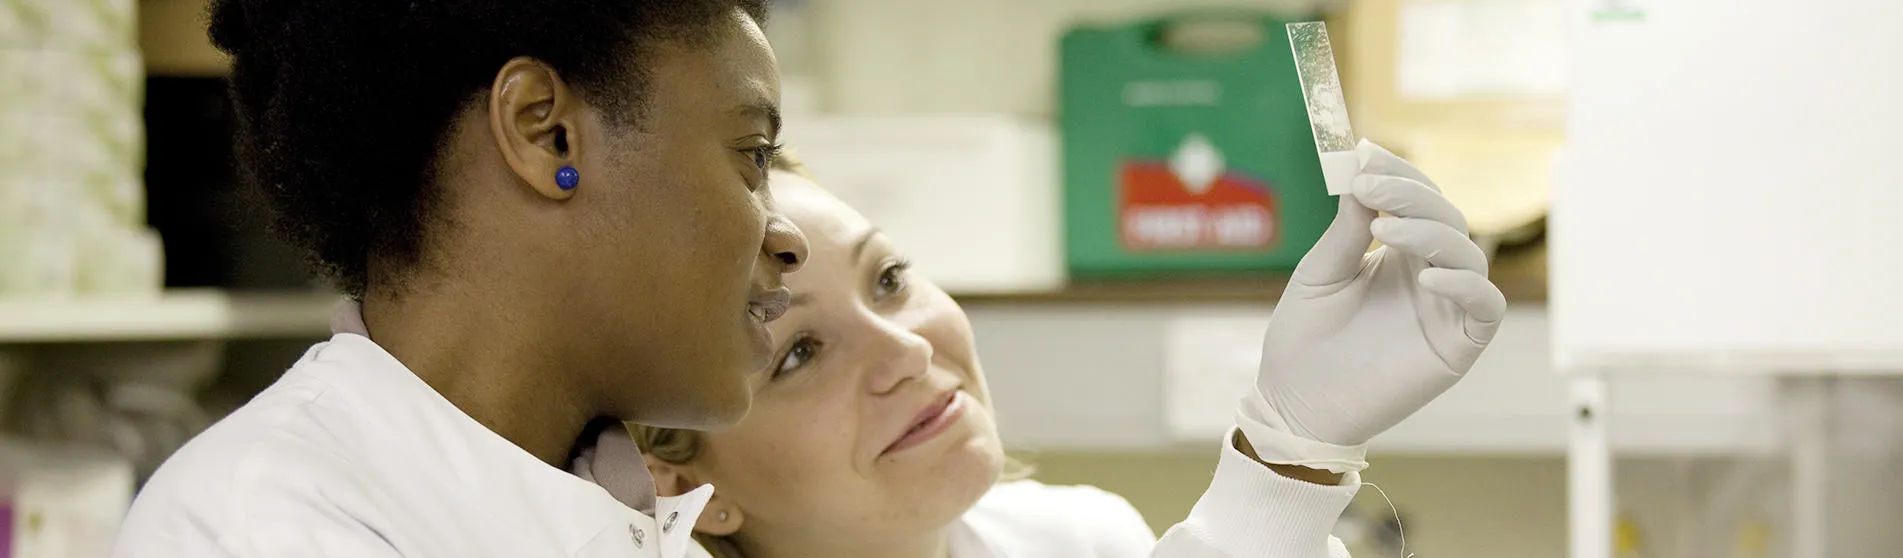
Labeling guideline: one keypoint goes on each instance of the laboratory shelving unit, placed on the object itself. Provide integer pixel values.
(1722, 215)
(1127, 394)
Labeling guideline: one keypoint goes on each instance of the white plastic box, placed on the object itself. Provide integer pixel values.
(972, 200)
(95, 26)
(63, 502)
(1725, 208)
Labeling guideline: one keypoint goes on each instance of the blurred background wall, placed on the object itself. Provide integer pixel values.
(909, 58)
(932, 117)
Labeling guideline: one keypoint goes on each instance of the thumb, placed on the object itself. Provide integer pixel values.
(1378, 160)
(1337, 256)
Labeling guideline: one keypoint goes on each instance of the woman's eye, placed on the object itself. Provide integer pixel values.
(798, 354)
(892, 278)
(763, 156)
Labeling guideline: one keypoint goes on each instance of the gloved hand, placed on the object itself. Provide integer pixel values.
(1360, 339)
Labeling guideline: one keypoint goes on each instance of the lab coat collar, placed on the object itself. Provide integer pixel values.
(614, 463)
(609, 481)
(349, 319)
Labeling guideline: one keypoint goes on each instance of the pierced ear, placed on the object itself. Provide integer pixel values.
(532, 115)
(722, 516)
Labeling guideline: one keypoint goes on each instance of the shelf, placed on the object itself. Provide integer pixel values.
(172, 315)
(1098, 377)
(1521, 276)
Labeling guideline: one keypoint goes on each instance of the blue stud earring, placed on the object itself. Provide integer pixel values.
(567, 178)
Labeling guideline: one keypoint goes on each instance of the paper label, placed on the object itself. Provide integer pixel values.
(1156, 211)
(1210, 362)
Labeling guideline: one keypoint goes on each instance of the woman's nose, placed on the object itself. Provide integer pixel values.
(903, 355)
(785, 244)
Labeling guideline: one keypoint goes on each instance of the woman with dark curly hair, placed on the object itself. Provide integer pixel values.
(545, 213)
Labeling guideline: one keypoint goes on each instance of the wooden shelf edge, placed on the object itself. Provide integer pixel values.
(180, 314)
(1519, 289)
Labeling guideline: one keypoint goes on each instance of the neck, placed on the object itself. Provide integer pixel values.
(933, 544)
(487, 358)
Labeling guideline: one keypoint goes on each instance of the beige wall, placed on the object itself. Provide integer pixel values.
(172, 39)
(1491, 156)
(1468, 507)
(1367, 60)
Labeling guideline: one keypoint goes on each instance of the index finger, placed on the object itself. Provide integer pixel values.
(1404, 197)
(1378, 160)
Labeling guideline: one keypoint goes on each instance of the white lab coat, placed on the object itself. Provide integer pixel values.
(1247, 512)
(350, 454)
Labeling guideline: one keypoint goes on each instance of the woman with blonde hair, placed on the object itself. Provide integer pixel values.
(872, 434)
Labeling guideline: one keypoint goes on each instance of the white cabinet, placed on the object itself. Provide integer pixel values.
(1724, 210)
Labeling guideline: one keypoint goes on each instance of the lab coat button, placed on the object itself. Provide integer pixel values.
(668, 527)
(637, 534)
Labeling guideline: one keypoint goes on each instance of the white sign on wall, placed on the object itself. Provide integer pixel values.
(1210, 363)
(1455, 49)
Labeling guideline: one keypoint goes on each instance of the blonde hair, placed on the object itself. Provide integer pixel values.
(787, 161)
(682, 446)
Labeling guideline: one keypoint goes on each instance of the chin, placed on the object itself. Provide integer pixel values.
(987, 456)
(944, 488)
(724, 412)
(707, 404)
(723, 387)
(928, 502)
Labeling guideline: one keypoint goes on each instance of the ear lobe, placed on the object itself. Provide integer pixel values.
(532, 116)
(722, 516)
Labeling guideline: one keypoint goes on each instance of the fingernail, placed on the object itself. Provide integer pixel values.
(1367, 150)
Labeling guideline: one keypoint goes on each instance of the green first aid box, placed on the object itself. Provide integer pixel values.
(1185, 162)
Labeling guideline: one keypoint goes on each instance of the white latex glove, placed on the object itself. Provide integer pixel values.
(1360, 339)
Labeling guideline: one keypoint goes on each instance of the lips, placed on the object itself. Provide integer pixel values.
(931, 421)
(769, 304)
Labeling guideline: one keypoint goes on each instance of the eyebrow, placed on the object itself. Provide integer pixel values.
(801, 298)
(763, 110)
(859, 248)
